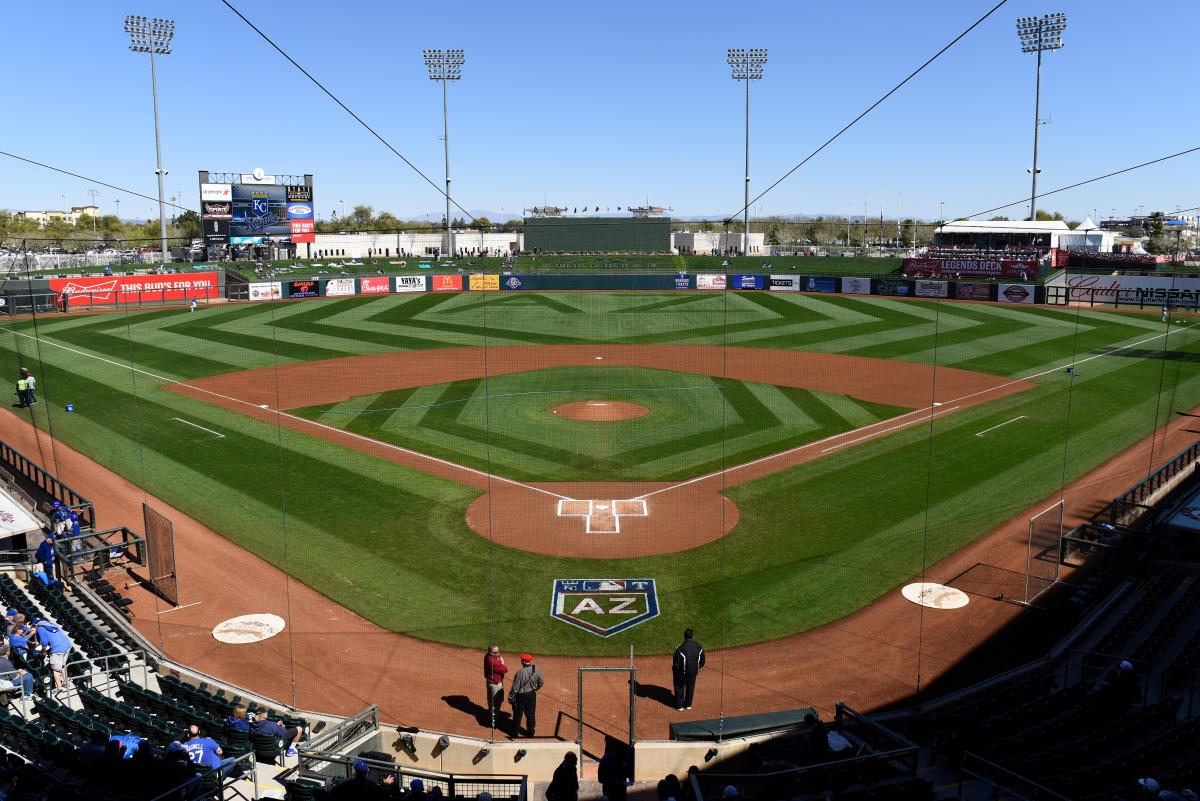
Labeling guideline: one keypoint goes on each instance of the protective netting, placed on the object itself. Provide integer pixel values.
(406, 477)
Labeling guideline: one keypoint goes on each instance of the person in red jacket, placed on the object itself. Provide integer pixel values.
(493, 674)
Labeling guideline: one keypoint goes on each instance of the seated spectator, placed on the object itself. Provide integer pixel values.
(202, 750)
(16, 678)
(91, 753)
(264, 725)
(238, 719)
(362, 785)
(19, 641)
(9, 622)
(129, 744)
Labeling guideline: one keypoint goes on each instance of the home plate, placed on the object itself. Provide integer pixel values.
(935, 596)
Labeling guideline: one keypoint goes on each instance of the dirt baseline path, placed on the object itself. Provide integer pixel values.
(621, 519)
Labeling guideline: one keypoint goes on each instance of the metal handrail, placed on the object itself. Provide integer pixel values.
(1039, 793)
(226, 782)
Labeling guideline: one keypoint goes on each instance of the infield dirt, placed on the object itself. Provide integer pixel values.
(331, 660)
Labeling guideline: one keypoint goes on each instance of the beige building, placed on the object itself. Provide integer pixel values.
(70, 217)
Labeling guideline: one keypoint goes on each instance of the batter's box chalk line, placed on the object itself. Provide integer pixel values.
(602, 516)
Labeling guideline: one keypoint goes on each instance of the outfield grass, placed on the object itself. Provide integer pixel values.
(814, 543)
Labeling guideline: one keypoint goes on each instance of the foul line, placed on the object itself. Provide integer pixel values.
(1006, 422)
(177, 608)
(282, 413)
(921, 412)
(510, 481)
(193, 425)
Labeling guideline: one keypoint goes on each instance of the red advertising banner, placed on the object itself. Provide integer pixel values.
(976, 268)
(375, 285)
(136, 288)
(446, 283)
(302, 231)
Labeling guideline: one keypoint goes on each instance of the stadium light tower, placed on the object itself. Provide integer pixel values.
(1037, 35)
(445, 65)
(747, 66)
(154, 36)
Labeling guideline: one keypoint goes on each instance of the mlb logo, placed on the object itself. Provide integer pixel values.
(604, 606)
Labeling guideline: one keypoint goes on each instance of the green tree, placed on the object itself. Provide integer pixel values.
(483, 223)
(360, 219)
(189, 225)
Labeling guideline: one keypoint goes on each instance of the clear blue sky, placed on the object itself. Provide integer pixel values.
(609, 104)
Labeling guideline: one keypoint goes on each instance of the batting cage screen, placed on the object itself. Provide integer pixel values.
(160, 554)
(1043, 551)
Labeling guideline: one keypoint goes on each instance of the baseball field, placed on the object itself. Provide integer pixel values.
(440, 463)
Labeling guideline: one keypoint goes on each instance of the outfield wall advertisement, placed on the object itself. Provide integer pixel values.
(856, 286)
(270, 290)
(931, 289)
(375, 285)
(447, 283)
(336, 287)
(707, 281)
(1132, 289)
(484, 283)
(1016, 293)
(739, 281)
(136, 288)
(966, 290)
(783, 283)
(304, 289)
(410, 283)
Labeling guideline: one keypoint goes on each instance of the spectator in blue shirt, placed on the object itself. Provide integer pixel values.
(45, 555)
(129, 744)
(19, 640)
(264, 725)
(58, 645)
(202, 750)
(237, 720)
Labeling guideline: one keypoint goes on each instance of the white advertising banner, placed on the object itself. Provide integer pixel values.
(1149, 289)
(1015, 293)
(339, 286)
(216, 192)
(709, 281)
(930, 289)
(266, 291)
(856, 286)
(783, 283)
(15, 518)
(410, 283)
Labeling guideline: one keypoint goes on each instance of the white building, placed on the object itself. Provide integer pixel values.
(703, 242)
(1001, 234)
(370, 245)
(70, 217)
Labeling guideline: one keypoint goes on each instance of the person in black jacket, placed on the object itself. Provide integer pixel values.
(689, 658)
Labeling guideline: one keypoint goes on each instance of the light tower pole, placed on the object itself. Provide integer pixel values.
(1037, 35)
(154, 36)
(445, 65)
(92, 193)
(747, 65)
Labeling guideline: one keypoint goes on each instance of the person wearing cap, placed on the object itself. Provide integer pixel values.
(19, 640)
(523, 695)
(565, 784)
(10, 622)
(688, 659)
(493, 677)
(361, 784)
(730, 792)
(1150, 787)
(58, 645)
(45, 555)
(416, 790)
(62, 517)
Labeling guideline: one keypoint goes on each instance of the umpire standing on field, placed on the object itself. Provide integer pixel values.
(689, 658)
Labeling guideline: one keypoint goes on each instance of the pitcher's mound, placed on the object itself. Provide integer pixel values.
(600, 410)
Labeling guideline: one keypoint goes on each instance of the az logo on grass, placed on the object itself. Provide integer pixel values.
(604, 606)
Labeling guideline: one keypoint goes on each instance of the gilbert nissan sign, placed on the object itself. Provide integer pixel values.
(1130, 288)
